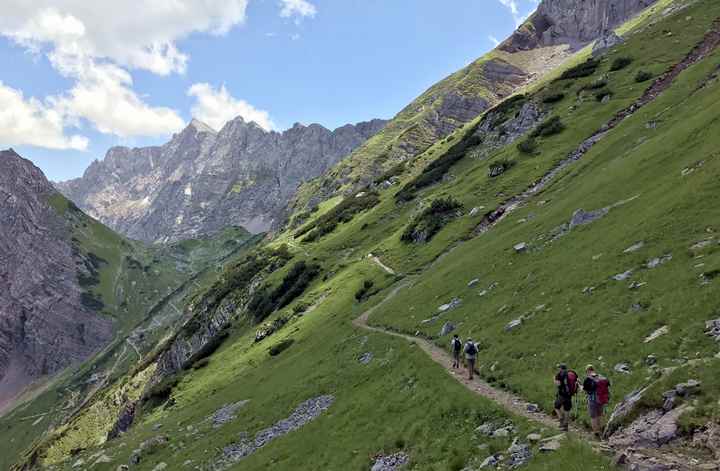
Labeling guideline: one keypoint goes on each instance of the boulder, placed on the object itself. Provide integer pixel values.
(609, 40)
(687, 389)
(623, 276)
(534, 437)
(447, 328)
(550, 446)
(623, 368)
(651, 430)
(664, 330)
(514, 324)
(534, 408)
(712, 328)
(366, 358)
(519, 454)
(491, 461)
(651, 360)
(656, 262)
(582, 217)
(521, 247)
(473, 282)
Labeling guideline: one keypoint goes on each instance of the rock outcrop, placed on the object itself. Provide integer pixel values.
(203, 181)
(572, 22)
(44, 326)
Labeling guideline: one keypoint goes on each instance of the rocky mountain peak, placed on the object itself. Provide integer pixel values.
(572, 22)
(200, 127)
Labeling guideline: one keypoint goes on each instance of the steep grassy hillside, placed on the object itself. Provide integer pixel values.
(574, 223)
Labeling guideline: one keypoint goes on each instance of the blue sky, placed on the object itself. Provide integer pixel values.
(79, 79)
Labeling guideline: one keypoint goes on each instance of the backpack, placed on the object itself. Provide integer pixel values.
(571, 382)
(602, 390)
(471, 349)
(456, 345)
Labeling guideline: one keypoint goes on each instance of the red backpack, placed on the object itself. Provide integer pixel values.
(572, 382)
(602, 390)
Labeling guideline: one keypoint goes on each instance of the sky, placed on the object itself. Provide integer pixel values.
(81, 76)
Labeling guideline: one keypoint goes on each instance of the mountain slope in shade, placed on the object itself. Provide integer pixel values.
(44, 323)
(203, 181)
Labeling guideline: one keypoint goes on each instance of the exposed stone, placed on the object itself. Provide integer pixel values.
(534, 408)
(623, 368)
(534, 437)
(519, 454)
(160, 467)
(653, 430)
(455, 302)
(491, 461)
(366, 358)
(550, 446)
(514, 324)
(447, 328)
(473, 282)
(226, 414)
(656, 262)
(623, 276)
(712, 328)
(607, 41)
(651, 360)
(391, 462)
(582, 217)
(521, 247)
(634, 247)
(664, 330)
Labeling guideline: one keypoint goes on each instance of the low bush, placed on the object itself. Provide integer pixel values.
(363, 293)
(643, 76)
(277, 349)
(601, 94)
(596, 85)
(585, 69)
(553, 98)
(428, 223)
(620, 63)
(345, 211)
(495, 169)
(528, 146)
(550, 127)
(265, 301)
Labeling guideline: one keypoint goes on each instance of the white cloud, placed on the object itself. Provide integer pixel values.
(512, 5)
(216, 107)
(30, 122)
(494, 40)
(298, 8)
(95, 44)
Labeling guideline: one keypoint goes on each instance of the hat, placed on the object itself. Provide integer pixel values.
(589, 367)
(562, 366)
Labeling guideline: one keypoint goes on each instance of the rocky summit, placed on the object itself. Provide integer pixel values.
(44, 324)
(202, 180)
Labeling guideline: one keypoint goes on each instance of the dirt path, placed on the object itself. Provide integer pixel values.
(509, 401)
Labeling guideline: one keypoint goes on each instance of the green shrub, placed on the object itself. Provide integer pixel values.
(364, 292)
(528, 146)
(345, 211)
(553, 98)
(265, 301)
(200, 364)
(495, 169)
(585, 69)
(596, 85)
(431, 220)
(601, 94)
(550, 127)
(620, 63)
(394, 171)
(643, 76)
(277, 349)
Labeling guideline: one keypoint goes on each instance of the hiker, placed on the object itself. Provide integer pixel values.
(597, 388)
(471, 352)
(566, 382)
(456, 348)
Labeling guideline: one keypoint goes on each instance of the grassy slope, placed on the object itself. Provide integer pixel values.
(130, 292)
(384, 406)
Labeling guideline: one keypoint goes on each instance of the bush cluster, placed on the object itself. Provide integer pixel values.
(585, 69)
(643, 76)
(431, 220)
(265, 301)
(620, 63)
(345, 211)
(550, 127)
(365, 291)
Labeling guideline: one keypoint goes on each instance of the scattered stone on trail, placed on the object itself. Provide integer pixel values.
(391, 462)
(485, 429)
(491, 461)
(514, 324)
(687, 389)
(712, 328)
(623, 409)
(534, 408)
(473, 282)
(651, 360)
(519, 453)
(225, 414)
(664, 330)
(634, 247)
(623, 368)
(366, 358)
(521, 247)
(504, 432)
(656, 262)
(534, 437)
(455, 302)
(635, 285)
(623, 276)
(447, 328)
(303, 414)
(651, 430)
(551, 445)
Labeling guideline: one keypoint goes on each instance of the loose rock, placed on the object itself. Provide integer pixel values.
(623, 368)
(366, 358)
(664, 330)
(447, 328)
(390, 463)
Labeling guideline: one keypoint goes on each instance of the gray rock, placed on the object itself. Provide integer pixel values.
(226, 414)
(503, 432)
(534, 437)
(366, 358)
(491, 461)
(651, 360)
(623, 368)
(473, 282)
(712, 328)
(521, 247)
(623, 276)
(455, 302)
(605, 42)
(656, 262)
(391, 462)
(447, 328)
(160, 467)
(634, 247)
(550, 446)
(664, 330)
(534, 408)
(519, 455)
(514, 324)
(202, 180)
(652, 430)
(689, 388)
(486, 429)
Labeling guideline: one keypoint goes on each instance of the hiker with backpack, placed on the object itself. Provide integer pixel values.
(566, 381)
(597, 388)
(456, 348)
(471, 352)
